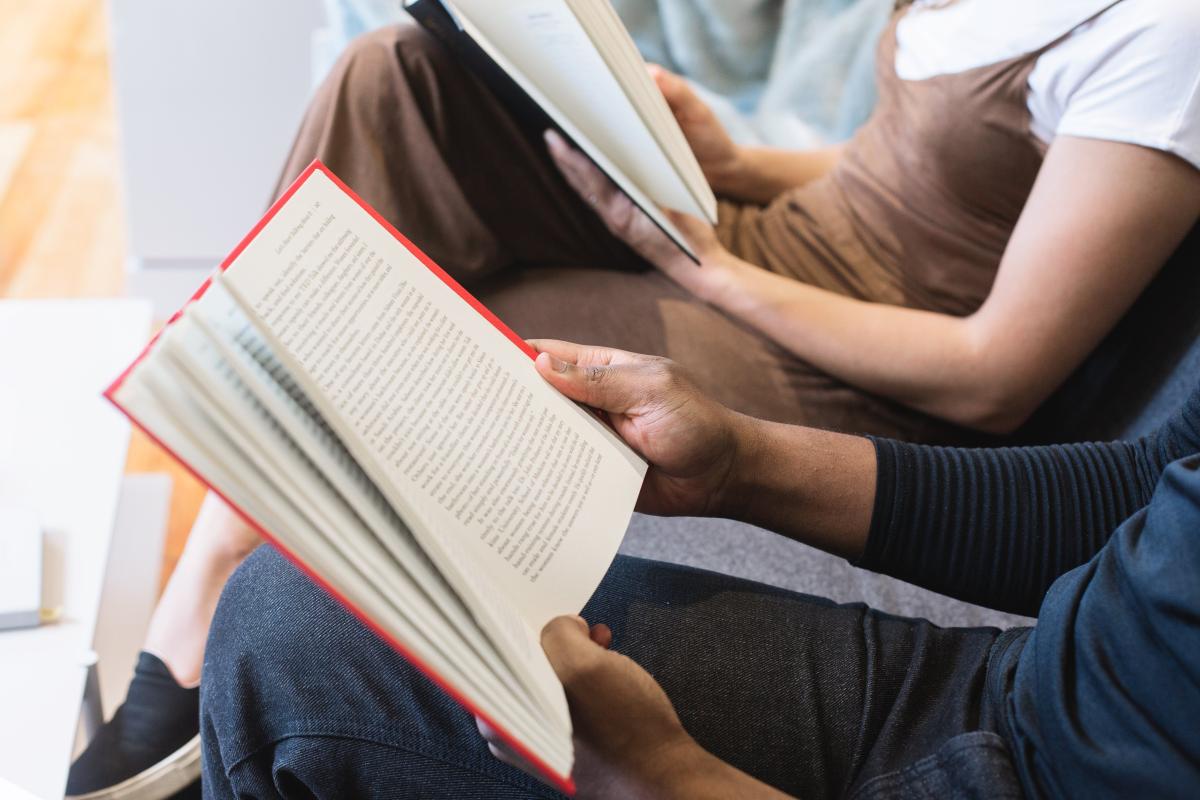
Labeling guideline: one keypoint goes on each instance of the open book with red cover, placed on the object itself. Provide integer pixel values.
(391, 436)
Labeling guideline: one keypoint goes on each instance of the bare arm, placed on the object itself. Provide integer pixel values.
(945, 521)
(1099, 223)
(763, 173)
(1101, 220)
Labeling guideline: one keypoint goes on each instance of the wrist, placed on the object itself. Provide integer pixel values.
(750, 444)
(722, 273)
(814, 486)
(728, 177)
(747, 177)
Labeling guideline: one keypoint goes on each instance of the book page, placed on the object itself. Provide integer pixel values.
(173, 408)
(544, 40)
(614, 44)
(376, 531)
(494, 470)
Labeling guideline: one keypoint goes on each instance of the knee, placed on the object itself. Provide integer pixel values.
(252, 643)
(279, 641)
(283, 656)
(270, 633)
(265, 608)
(372, 62)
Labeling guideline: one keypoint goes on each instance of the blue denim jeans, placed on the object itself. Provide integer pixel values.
(817, 699)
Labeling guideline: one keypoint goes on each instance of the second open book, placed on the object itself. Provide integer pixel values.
(572, 66)
(392, 437)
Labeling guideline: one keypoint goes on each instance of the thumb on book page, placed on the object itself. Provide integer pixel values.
(616, 388)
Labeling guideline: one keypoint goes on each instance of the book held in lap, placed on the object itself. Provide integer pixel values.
(392, 437)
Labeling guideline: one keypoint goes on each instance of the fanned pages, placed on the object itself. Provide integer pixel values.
(392, 437)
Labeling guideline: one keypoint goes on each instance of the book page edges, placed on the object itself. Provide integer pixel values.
(563, 783)
(677, 151)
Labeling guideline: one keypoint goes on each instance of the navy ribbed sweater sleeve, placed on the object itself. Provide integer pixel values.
(997, 526)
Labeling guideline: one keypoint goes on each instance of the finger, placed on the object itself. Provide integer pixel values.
(569, 351)
(601, 634)
(693, 228)
(619, 213)
(582, 354)
(675, 90)
(584, 177)
(574, 165)
(568, 645)
(615, 388)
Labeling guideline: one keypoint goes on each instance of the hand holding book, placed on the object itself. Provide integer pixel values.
(628, 739)
(571, 65)
(629, 223)
(718, 155)
(690, 441)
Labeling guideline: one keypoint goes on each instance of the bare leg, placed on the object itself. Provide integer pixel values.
(218, 542)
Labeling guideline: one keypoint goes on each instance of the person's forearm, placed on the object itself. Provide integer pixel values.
(763, 173)
(698, 775)
(814, 486)
(990, 526)
(998, 526)
(932, 362)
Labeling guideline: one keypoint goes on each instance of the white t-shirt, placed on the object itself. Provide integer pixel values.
(1132, 74)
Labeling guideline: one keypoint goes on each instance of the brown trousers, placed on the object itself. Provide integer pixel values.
(413, 133)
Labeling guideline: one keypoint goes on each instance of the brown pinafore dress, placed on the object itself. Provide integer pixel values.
(917, 213)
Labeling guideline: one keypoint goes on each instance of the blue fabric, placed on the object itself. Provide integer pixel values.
(1100, 700)
(998, 526)
(1106, 697)
(1105, 692)
(1171, 393)
(789, 73)
(820, 700)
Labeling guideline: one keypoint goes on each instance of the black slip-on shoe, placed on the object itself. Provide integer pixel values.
(150, 749)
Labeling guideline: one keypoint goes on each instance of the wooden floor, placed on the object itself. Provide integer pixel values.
(61, 229)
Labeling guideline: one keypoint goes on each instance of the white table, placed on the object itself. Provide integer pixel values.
(62, 453)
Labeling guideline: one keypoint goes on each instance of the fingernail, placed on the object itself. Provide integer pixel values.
(553, 140)
(558, 365)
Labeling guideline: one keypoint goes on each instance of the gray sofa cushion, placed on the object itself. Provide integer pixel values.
(734, 548)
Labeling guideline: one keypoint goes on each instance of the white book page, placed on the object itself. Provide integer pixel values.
(249, 356)
(215, 321)
(191, 363)
(544, 41)
(601, 22)
(503, 480)
(156, 397)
